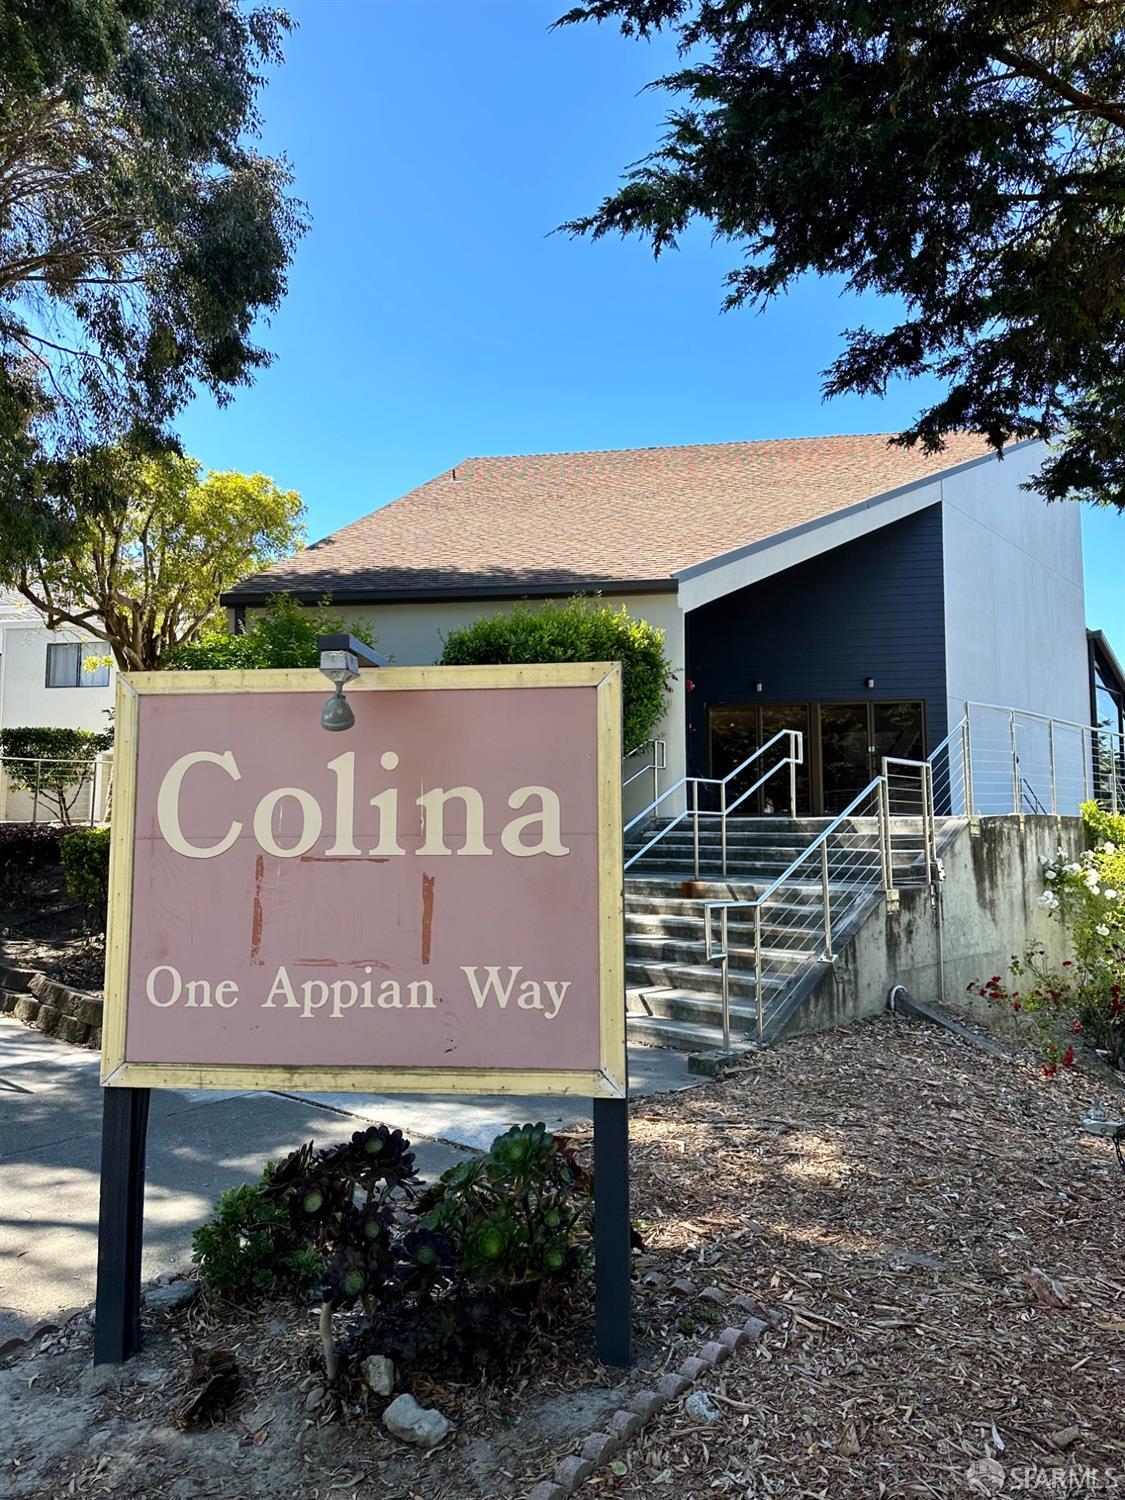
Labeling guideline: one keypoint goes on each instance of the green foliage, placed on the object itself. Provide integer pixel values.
(85, 861)
(142, 235)
(579, 630)
(144, 570)
(55, 763)
(965, 161)
(1083, 999)
(248, 1248)
(518, 1218)
(283, 635)
(451, 1279)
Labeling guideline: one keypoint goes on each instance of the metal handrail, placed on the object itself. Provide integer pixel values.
(795, 758)
(659, 761)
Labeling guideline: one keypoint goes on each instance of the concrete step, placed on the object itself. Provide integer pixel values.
(740, 932)
(707, 979)
(679, 1036)
(686, 1008)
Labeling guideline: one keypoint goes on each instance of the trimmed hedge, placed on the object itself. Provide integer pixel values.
(579, 630)
(283, 635)
(85, 861)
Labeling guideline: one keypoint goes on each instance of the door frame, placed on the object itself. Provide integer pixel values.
(813, 756)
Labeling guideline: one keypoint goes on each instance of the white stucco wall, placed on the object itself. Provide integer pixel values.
(27, 702)
(1015, 616)
(414, 635)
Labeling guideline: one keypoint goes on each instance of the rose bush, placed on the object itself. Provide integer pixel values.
(1082, 1000)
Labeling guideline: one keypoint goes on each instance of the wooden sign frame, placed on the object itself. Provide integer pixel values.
(608, 1080)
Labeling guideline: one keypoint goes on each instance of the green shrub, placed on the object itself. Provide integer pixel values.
(451, 1279)
(283, 635)
(249, 1249)
(84, 853)
(52, 763)
(579, 630)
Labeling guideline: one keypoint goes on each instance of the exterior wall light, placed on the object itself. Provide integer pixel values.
(757, 687)
(341, 656)
(869, 682)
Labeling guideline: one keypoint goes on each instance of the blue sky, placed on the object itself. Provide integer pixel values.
(432, 314)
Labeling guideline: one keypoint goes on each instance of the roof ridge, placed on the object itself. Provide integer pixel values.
(811, 437)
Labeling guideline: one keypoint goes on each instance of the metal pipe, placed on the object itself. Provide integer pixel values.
(1017, 800)
(726, 980)
(723, 824)
(792, 776)
(1051, 759)
(825, 897)
(967, 761)
(695, 825)
(758, 969)
(1086, 766)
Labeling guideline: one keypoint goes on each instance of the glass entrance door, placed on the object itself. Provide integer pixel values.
(737, 729)
(845, 754)
(854, 738)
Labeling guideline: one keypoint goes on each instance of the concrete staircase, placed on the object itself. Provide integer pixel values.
(674, 995)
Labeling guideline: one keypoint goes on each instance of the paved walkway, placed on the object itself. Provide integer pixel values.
(199, 1143)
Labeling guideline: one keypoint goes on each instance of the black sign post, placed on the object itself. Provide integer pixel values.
(117, 1320)
(613, 1255)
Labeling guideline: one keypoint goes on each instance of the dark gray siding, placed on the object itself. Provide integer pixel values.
(872, 608)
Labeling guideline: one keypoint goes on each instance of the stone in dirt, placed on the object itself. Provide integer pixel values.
(685, 1287)
(425, 1427)
(174, 1294)
(701, 1408)
(379, 1374)
(713, 1294)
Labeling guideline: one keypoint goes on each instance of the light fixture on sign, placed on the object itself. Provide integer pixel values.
(340, 659)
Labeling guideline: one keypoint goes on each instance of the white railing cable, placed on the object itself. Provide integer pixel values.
(691, 785)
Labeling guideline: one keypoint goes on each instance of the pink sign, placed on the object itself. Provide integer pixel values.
(428, 897)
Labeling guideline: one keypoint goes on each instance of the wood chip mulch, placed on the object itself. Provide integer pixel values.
(947, 1247)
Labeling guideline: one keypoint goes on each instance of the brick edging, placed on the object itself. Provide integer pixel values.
(602, 1446)
(57, 1009)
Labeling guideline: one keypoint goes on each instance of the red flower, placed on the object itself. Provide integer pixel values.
(1077, 1027)
(1050, 1069)
(1068, 1058)
(1016, 1005)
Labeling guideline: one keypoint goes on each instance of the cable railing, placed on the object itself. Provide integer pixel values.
(689, 787)
(807, 911)
(52, 789)
(1007, 760)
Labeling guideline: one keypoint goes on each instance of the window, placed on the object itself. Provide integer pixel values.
(76, 666)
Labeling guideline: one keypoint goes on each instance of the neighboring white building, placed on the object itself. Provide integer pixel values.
(54, 679)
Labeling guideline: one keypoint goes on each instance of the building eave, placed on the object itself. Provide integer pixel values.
(342, 595)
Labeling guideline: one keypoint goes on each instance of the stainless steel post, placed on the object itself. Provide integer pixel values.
(726, 981)
(1051, 758)
(824, 896)
(792, 774)
(695, 824)
(35, 795)
(884, 825)
(967, 762)
(723, 827)
(1017, 799)
(758, 970)
(1087, 764)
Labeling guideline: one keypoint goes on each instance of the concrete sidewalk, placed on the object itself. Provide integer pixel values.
(199, 1143)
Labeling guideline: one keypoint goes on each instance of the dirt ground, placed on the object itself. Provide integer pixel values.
(944, 1243)
(42, 929)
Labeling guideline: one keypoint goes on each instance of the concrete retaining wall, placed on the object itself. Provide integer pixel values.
(990, 907)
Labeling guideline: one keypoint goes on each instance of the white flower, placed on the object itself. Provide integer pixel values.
(1102, 930)
(1071, 869)
(1110, 895)
(1049, 900)
(1091, 879)
(1108, 848)
(1044, 859)
(1052, 875)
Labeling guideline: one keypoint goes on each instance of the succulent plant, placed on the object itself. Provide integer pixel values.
(522, 1150)
(379, 1154)
(346, 1277)
(424, 1259)
(285, 1174)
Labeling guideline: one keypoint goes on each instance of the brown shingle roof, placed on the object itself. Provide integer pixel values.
(557, 522)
